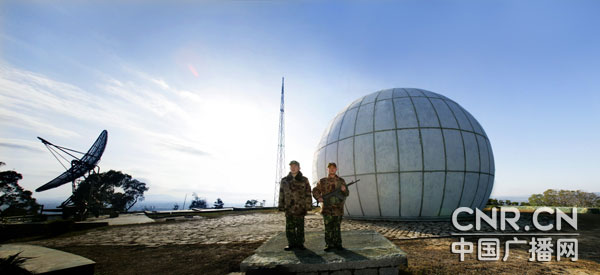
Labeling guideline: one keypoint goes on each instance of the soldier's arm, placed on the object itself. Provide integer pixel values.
(346, 192)
(308, 197)
(317, 191)
(281, 205)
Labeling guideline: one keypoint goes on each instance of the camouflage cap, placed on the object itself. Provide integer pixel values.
(294, 162)
(331, 164)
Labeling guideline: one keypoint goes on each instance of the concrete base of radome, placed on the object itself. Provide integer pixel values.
(366, 252)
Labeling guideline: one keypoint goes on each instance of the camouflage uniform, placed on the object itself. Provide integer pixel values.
(333, 208)
(295, 200)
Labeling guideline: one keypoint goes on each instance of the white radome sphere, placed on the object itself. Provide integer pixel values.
(418, 155)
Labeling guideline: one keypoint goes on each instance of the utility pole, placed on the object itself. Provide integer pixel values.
(280, 167)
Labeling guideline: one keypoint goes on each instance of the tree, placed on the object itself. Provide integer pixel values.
(219, 203)
(134, 192)
(198, 202)
(251, 203)
(551, 197)
(176, 206)
(492, 202)
(570, 198)
(14, 200)
(97, 191)
(536, 199)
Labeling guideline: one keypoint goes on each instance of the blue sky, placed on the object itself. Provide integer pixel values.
(189, 90)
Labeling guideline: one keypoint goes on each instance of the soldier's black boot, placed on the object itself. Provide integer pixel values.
(329, 249)
(288, 248)
(301, 247)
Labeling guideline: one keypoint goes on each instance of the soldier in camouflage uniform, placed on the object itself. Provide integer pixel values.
(333, 208)
(295, 199)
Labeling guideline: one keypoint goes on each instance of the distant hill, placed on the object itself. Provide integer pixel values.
(163, 205)
(154, 202)
(50, 203)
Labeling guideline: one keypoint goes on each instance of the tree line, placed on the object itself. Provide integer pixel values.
(112, 189)
(571, 198)
(198, 202)
(553, 197)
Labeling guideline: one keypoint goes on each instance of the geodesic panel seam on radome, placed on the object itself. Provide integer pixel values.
(418, 154)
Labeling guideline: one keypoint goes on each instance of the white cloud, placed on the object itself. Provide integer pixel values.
(20, 145)
(177, 139)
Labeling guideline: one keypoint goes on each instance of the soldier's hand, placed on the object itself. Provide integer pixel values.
(320, 199)
(343, 188)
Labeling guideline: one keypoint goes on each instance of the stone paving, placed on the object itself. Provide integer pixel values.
(249, 227)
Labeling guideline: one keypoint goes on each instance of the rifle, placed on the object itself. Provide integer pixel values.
(338, 192)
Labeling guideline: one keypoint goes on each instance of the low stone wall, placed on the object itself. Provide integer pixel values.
(20, 230)
(43, 260)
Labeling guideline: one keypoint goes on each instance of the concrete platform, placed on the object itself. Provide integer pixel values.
(124, 219)
(367, 252)
(45, 260)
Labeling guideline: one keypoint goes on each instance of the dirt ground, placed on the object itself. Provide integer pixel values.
(433, 255)
(427, 255)
(169, 259)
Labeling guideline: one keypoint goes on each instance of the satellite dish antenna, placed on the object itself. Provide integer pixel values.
(79, 166)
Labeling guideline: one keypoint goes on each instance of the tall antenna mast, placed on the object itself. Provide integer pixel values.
(280, 169)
